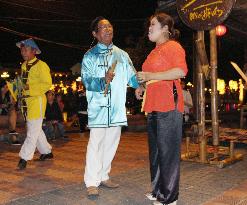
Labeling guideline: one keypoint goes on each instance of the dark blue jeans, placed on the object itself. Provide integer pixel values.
(53, 131)
(164, 138)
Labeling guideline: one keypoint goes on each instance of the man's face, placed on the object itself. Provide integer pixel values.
(27, 53)
(105, 32)
(50, 96)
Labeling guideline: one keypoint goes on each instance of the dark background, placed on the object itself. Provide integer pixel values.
(67, 21)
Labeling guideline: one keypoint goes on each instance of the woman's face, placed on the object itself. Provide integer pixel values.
(50, 96)
(156, 32)
(59, 98)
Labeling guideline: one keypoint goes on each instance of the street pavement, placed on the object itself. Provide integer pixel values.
(60, 181)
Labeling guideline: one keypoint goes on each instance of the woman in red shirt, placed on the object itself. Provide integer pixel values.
(163, 102)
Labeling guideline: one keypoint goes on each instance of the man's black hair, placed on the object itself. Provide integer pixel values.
(95, 22)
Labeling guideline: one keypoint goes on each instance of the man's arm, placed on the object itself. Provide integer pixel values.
(131, 73)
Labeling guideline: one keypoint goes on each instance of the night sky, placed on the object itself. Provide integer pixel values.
(67, 21)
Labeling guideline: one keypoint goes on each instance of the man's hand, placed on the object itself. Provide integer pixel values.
(26, 87)
(109, 76)
(139, 92)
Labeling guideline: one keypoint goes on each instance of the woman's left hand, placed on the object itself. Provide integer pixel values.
(143, 77)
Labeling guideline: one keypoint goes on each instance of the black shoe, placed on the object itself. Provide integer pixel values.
(44, 157)
(65, 137)
(13, 132)
(22, 164)
(16, 142)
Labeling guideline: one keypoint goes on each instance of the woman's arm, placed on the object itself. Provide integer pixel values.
(172, 74)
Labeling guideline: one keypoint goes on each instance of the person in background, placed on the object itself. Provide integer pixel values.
(106, 95)
(60, 102)
(188, 103)
(163, 102)
(53, 123)
(71, 107)
(82, 113)
(37, 81)
(7, 107)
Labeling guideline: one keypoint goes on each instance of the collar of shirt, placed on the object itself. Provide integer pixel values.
(105, 47)
(31, 61)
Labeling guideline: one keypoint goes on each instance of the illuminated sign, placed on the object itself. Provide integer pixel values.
(204, 14)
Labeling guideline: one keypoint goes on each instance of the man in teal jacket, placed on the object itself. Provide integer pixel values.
(106, 107)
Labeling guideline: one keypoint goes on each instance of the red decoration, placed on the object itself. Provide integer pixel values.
(220, 30)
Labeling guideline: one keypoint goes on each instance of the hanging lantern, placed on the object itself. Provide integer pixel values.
(221, 86)
(233, 85)
(220, 30)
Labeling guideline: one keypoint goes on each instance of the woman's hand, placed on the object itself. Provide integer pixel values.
(143, 76)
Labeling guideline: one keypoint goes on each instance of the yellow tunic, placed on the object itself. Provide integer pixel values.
(39, 81)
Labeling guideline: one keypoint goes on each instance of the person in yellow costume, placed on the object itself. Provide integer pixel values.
(36, 81)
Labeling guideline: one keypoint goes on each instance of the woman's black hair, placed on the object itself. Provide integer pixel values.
(7, 95)
(164, 19)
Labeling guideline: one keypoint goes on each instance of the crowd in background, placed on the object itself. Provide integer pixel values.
(70, 108)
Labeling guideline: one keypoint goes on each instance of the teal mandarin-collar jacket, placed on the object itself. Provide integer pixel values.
(109, 110)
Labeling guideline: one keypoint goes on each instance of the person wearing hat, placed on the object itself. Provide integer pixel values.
(37, 81)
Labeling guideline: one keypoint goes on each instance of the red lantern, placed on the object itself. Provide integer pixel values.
(220, 30)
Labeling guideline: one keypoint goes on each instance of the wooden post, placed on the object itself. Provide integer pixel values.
(201, 52)
(214, 93)
(201, 117)
(195, 79)
(232, 149)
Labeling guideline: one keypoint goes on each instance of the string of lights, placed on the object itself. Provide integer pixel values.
(40, 24)
(39, 9)
(60, 23)
(69, 45)
(71, 20)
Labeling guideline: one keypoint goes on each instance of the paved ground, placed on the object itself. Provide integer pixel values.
(59, 182)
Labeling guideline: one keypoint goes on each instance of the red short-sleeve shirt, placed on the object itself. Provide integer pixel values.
(159, 96)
